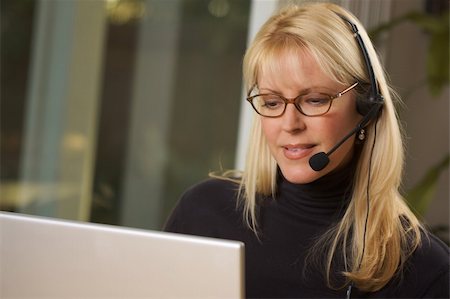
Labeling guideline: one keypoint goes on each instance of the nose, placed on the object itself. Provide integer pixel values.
(293, 120)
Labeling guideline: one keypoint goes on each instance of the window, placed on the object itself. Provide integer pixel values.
(110, 110)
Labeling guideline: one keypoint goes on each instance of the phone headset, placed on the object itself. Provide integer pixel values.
(369, 106)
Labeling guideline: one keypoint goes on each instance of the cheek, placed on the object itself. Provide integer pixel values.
(329, 130)
(334, 130)
(337, 126)
(270, 130)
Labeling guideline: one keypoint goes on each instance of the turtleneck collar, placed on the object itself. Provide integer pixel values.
(326, 196)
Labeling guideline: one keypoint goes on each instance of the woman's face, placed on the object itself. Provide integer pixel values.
(294, 138)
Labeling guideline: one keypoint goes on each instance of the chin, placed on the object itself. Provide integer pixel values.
(301, 175)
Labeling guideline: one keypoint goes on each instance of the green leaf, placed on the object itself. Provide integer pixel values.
(428, 23)
(420, 196)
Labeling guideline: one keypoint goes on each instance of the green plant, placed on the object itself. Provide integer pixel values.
(424, 191)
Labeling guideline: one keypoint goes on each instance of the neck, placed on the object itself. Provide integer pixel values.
(328, 195)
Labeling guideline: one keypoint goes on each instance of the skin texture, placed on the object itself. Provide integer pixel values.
(293, 138)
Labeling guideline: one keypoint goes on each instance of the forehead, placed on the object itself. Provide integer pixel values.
(292, 68)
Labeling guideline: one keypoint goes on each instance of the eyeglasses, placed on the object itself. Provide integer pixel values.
(310, 104)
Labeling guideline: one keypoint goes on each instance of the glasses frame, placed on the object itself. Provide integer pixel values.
(294, 100)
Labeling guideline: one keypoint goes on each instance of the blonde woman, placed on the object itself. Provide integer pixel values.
(317, 204)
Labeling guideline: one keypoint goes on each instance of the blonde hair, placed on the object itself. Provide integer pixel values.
(393, 232)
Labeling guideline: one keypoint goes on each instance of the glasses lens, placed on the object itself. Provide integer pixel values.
(269, 105)
(314, 104)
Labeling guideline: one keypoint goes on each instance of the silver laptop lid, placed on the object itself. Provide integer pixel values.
(50, 258)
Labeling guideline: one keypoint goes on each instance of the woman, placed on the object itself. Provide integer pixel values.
(316, 224)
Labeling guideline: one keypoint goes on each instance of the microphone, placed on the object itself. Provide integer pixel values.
(320, 160)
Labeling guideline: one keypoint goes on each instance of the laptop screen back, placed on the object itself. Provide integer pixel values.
(51, 258)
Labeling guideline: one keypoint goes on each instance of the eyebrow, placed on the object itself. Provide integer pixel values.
(301, 92)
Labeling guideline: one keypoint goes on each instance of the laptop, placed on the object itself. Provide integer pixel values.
(49, 258)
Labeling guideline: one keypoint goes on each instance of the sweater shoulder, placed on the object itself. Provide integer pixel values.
(432, 258)
(431, 255)
(427, 270)
(433, 246)
(214, 191)
(205, 208)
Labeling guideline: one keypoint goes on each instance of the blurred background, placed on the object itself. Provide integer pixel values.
(111, 109)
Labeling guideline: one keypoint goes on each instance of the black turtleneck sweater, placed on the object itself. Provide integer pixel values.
(289, 226)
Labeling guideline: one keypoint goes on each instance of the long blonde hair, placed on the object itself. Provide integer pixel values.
(393, 232)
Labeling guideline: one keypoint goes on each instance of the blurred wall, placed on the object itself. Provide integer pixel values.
(426, 118)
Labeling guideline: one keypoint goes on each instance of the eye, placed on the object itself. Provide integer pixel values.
(271, 102)
(316, 100)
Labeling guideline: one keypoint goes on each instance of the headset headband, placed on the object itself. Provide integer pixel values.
(375, 96)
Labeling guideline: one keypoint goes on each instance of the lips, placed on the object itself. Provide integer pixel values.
(297, 151)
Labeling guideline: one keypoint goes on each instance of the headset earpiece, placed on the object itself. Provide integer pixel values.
(363, 104)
